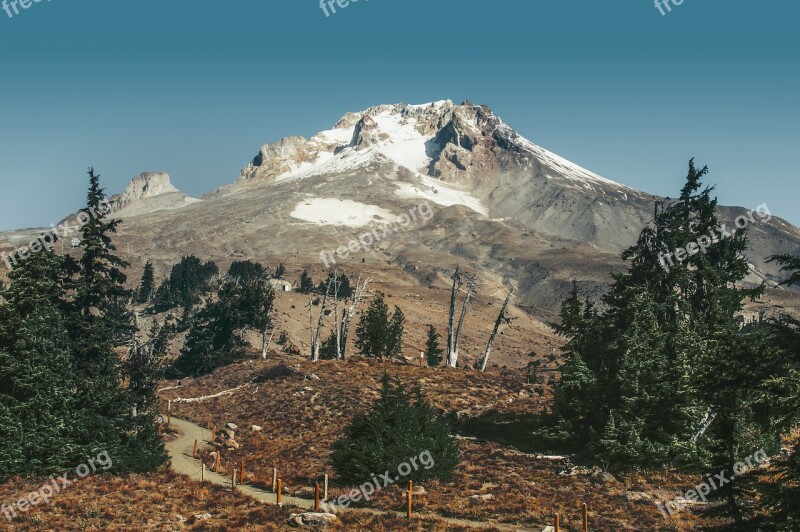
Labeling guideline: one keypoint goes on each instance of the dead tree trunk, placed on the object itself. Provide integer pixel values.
(457, 336)
(453, 295)
(349, 313)
(264, 343)
(500, 319)
(336, 323)
(316, 334)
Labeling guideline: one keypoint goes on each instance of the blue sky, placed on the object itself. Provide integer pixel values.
(194, 88)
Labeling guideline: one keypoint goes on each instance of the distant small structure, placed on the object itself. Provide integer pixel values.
(280, 285)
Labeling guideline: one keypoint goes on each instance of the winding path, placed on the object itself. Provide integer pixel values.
(180, 452)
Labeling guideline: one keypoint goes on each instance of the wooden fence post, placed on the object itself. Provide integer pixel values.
(233, 480)
(316, 498)
(558, 523)
(274, 480)
(585, 518)
(325, 494)
(241, 473)
(194, 450)
(203, 473)
(217, 464)
(410, 495)
(280, 489)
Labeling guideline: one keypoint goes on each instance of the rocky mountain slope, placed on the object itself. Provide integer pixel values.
(442, 184)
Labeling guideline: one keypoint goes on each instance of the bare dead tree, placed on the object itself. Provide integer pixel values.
(471, 287)
(500, 320)
(336, 323)
(264, 343)
(453, 297)
(349, 313)
(315, 334)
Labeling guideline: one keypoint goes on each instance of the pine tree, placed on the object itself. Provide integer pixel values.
(433, 349)
(147, 284)
(100, 322)
(399, 427)
(306, 285)
(669, 345)
(37, 378)
(280, 271)
(378, 333)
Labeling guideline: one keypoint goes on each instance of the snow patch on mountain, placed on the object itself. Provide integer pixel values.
(438, 192)
(334, 211)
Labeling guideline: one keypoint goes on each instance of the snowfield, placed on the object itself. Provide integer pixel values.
(332, 211)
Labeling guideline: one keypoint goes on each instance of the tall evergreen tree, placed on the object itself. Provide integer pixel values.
(433, 349)
(37, 377)
(640, 375)
(102, 321)
(378, 333)
(147, 284)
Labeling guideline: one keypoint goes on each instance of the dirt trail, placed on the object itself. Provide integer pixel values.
(180, 452)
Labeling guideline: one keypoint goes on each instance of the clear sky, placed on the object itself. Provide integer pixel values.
(194, 87)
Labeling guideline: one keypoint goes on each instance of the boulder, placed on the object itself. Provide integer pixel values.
(637, 496)
(485, 497)
(312, 519)
(202, 517)
(230, 444)
(256, 428)
(231, 426)
(603, 477)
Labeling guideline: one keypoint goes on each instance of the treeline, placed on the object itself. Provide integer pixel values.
(665, 370)
(65, 394)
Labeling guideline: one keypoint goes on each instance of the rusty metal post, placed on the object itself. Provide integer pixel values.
(194, 450)
(585, 518)
(280, 489)
(410, 497)
(558, 523)
(316, 498)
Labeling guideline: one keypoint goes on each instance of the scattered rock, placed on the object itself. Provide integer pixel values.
(311, 377)
(231, 426)
(312, 519)
(179, 518)
(419, 490)
(202, 517)
(230, 444)
(256, 428)
(602, 477)
(637, 496)
(484, 497)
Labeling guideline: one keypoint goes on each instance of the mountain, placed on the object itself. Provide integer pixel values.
(498, 205)
(147, 193)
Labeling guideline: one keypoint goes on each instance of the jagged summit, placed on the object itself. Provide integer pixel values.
(148, 192)
(456, 143)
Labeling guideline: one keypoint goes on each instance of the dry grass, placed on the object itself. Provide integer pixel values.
(165, 501)
(302, 415)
